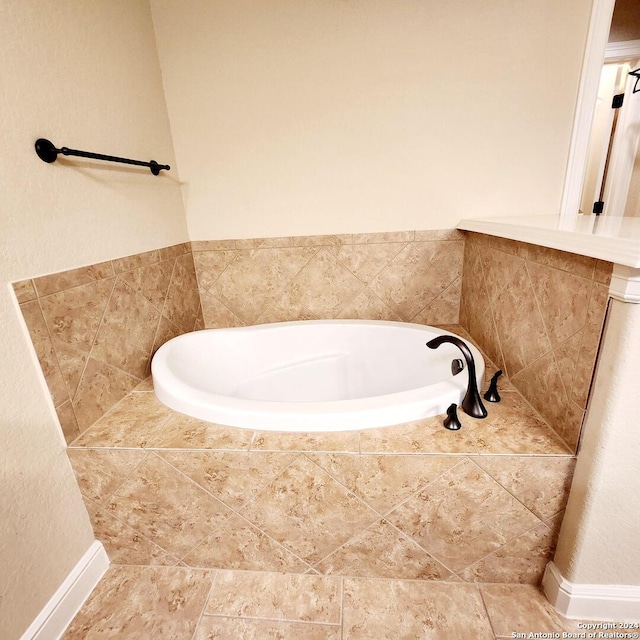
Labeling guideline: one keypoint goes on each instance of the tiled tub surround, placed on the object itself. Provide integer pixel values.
(95, 328)
(538, 314)
(412, 501)
(412, 276)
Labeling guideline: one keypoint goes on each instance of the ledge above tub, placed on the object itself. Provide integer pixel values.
(614, 239)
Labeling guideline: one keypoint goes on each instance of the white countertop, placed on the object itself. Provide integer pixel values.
(615, 239)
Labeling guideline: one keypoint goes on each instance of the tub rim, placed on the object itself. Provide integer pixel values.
(328, 416)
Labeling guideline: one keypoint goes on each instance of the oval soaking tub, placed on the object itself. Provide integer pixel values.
(312, 375)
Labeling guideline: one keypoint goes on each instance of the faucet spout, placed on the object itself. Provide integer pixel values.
(472, 403)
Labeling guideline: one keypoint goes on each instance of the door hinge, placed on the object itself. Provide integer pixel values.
(617, 101)
(598, 207)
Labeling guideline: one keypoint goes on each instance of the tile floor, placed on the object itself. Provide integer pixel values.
(179, 603)
(409, 531)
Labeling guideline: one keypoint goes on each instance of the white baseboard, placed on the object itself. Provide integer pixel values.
(55, 617)
(604, 602)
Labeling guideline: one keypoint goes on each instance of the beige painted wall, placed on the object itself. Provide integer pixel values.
(334, 116)
(598, 541)
(84, 74)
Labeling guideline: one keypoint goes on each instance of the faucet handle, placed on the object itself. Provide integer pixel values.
(452, 421)
(492, 394)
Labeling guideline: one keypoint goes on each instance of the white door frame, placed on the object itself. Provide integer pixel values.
(625, 143)
(598, 34)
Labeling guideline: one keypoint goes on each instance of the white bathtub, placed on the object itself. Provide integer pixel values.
(318, 375)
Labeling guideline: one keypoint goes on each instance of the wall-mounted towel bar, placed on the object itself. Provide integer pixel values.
(48, 153)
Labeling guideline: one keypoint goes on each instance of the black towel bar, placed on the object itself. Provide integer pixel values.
(47, 152)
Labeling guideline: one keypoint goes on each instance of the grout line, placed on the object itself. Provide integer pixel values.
(206, 602)
(125, 479)
(424, 486)
(164, 302)
(138, 533)
(237, 512)
(342, 608)
(486, 610)
(287, 621)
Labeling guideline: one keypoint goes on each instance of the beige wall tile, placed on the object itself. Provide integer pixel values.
(165, 331)
(474, 299)
(212, 245)
(24, 290)
(383, 481)
(44, 351)
(541, 483)
(64, 280)
(166, 507)
(174, 251)
(100, 472)
(237, 544)
(419, 436)
(439, 234)
(234, 477)
(541, 384)
(512, 426)
(521, 561)
(104, 330)
(283, 308)
(445, 309)
(151, 281)
(264, 243)
(131, 423)
(446, 257)
(560, 298)
(125, 337)
(246, 282)
(521, 330)
(125, 545)
(365, 261)
(68, 421)
(408, 283)
(324, 286)
(602, 272)
(74, 315)
(216, 315)
(255, 279)
(322, 241)
(344, 441)
(383, 551)
(182, 303)
(307, 511)
(367, 306)
(567, 314)
(582, 266)
(462, 516)
(572, 424)
(184, 432)
(101, 387)
(389, 236)
(500, 270)
(210, 264)
(129, 263)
